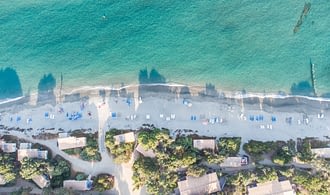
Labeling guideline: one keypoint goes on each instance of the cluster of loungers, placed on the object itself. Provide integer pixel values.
(261, 118)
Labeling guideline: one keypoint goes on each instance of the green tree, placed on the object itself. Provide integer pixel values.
(229, 146)
(258, 148)
(196, 171)
(121, 152)
(103, 182)
(266, 174)
(32, 167)
(7, 169)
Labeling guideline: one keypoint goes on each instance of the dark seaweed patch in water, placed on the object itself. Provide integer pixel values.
(10, 85)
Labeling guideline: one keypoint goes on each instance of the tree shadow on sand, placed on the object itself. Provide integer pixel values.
(185, 92)
(46, 88)
(209, 91)
(10, 85)
(152, 83)
(303, 88)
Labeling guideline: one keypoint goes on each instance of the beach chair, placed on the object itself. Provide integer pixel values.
(148, 116)
(273, 119)
(113, 115)
(46, 115)
(172, 116)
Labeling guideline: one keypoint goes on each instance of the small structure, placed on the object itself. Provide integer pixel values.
(71, 142)
(321, 152)
(7, 147)
(83, 185)
(124, 138)
(25, 145)
(2, 180)
(234, 162)
(31, 153)
(273, 188)
(145, 153)
(41, 180)
(206, 184)
(204, 144)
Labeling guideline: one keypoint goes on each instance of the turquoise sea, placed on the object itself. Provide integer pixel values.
(233, 44)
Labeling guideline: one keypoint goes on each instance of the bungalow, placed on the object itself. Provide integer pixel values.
(71, 142)
(206, 184)
(25, 145)
(204, 144)
(145, 153)
(7, 147)
(124, 138)
(31, 153)
(78, 185)
(41, 180)
(234, 162)
(321, 152)
(273, 188)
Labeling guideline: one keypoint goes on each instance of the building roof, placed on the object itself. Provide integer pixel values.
(124, 138)
(146, 153)
(41, 181)
(206, 184)
(2, 180)
(25, 145)
(31, 153)
(321, 152)
(71, 142)
(232, 162)
(272, 188)
(204, 144)
(77, 185)
(7, 147)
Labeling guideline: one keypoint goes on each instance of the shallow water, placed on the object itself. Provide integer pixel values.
(233, 44)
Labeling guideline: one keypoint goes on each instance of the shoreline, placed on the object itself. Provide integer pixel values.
(171, 89)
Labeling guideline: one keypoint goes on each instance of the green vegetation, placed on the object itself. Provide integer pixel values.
(103, 182)
(284, 152)
(22, 191)
(265, 174)
(88, 153)
(60, 171)
(314, 183)
(229, 145)
(81, 176)
(160, 174)
(57, 191)
(32, 167)
(7, 167)
(258, 148)
(304, 150)
(122, 152)
(196, 171)
(240, 180)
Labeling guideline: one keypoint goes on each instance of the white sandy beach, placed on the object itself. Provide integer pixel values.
(211, 117)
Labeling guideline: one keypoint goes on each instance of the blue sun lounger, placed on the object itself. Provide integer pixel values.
(273, 118)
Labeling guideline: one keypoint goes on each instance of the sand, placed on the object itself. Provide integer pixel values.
(172, 107)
